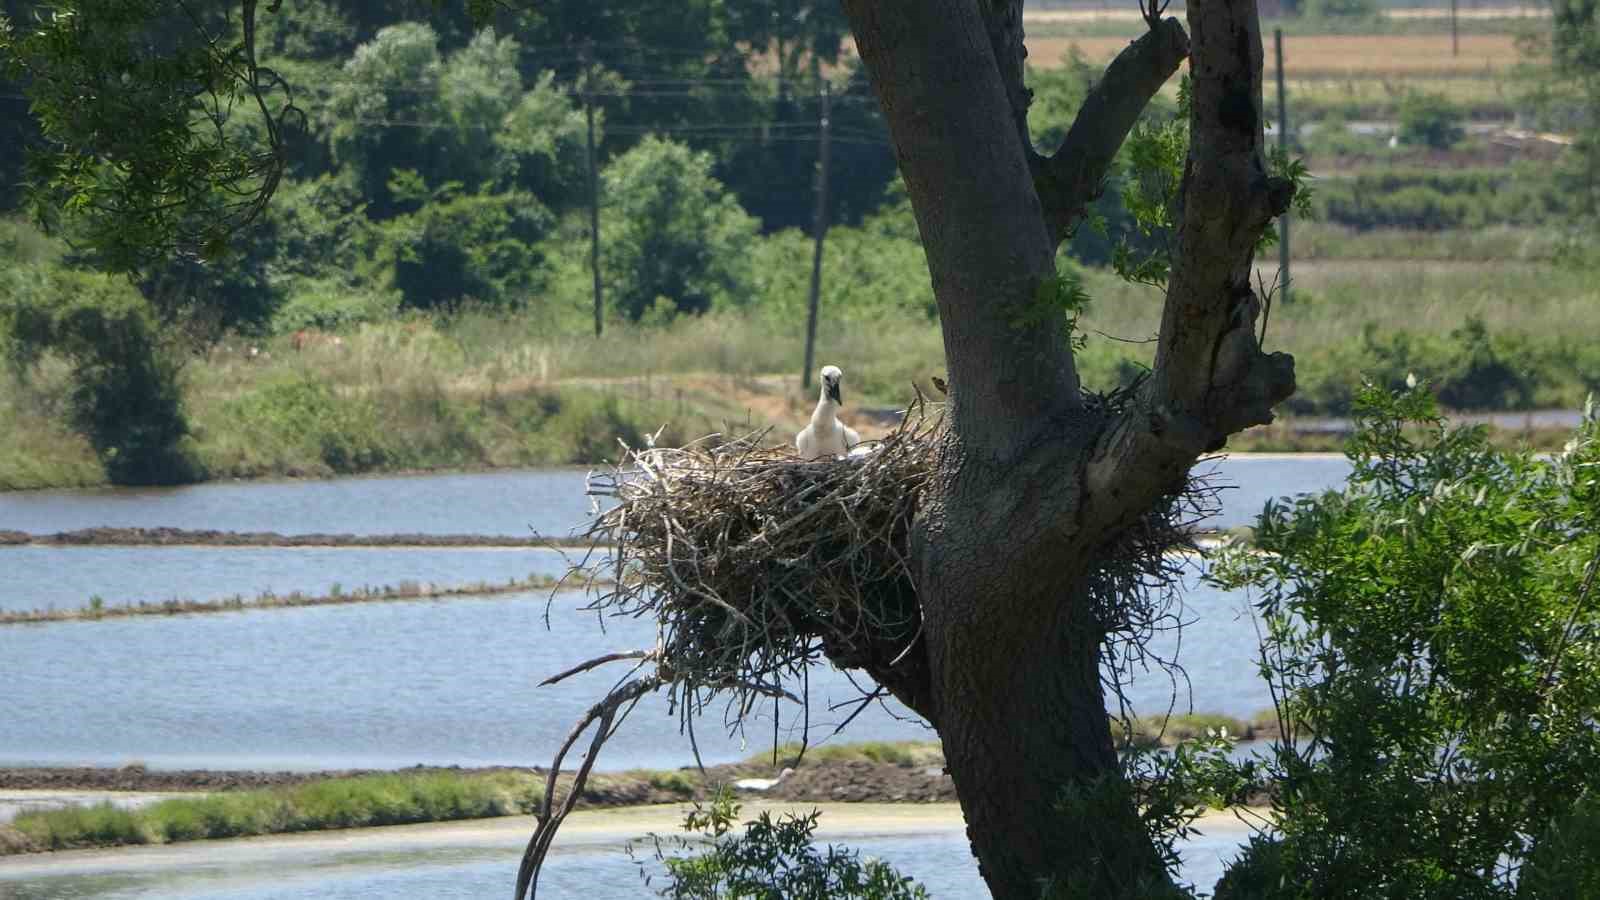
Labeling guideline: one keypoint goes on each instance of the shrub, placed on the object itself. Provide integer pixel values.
(772, 858)
(328, 305)
(671, 230)
(1430, 120)
(1339, 9)
(81, 826)
(371, 800)
(343, 432)
(126, 397)
(1429, 630)
(471, 247)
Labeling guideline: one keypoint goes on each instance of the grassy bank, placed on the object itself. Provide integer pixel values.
(486, 390)
(97, 609)
(362, 802)
(907, 771)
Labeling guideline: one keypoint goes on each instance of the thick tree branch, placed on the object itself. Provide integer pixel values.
(1071, 179)
(1211, 378)
(966, 169)
(1002, 19)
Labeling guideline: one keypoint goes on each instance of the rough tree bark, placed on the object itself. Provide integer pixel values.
(1032, 480)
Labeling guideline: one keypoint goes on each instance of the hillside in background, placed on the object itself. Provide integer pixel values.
(419, 292)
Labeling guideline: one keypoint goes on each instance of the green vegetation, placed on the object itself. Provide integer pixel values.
(1169, 731)
(360, 802)
(1434, 200)
(1429, 639)
(417, 294)
(488, 388)
(772, 858)
(1430, 120)
(899, 753)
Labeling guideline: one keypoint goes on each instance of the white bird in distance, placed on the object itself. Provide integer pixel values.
(826, 435)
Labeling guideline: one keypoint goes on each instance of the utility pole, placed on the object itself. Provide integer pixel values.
(1283, 146)
(820, 227)
(586, 54)
(1455, 37)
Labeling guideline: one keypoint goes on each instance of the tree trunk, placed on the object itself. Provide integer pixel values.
(1032, 481)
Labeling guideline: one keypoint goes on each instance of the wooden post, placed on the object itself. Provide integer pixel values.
(820, 228)
(586, 54)
(1283, 146)
(1455, 37)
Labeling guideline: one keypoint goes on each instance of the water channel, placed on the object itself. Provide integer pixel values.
(388, 685)
(479, 861)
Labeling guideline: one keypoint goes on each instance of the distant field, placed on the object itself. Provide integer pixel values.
(1486, 13)
(1333, 56)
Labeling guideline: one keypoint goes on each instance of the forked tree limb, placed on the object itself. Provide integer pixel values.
(1211, 378)
(950, 99)
(1070, 179)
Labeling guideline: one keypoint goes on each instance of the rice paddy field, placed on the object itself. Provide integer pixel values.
(1331, 55)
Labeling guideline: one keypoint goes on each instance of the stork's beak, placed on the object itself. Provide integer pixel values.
(833, 393)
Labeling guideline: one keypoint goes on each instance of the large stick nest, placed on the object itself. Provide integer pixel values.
(755, 564)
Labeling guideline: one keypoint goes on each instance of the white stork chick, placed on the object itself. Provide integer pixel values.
(826, 435)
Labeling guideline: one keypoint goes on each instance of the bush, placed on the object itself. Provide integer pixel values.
(1339, 9)
(1430, 120)
(328, 305)
(365, 801)
(81, 826)
(126, 397)
(671, 230)
(1429, 630)
(772, 859)
(301, 412)
(1436, 200)
(1468, 369)
(471, 247)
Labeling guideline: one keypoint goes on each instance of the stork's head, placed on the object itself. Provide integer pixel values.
(830, 384)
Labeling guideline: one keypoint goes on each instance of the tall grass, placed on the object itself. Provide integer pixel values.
(494, 389)
(365, 801)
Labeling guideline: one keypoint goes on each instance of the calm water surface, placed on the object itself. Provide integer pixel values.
(547, 502)
(498, 503)
(388, 685)
(939, 860)
(436, 682)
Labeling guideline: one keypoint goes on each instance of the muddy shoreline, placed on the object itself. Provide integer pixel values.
(851, 781)
(107, 536)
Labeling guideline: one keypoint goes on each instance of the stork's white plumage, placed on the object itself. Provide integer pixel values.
(826, 435)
